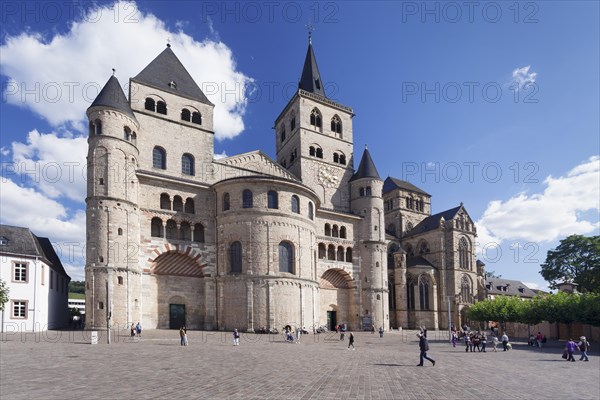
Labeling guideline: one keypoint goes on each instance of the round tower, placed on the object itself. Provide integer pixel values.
(366, 200)
(113, 274)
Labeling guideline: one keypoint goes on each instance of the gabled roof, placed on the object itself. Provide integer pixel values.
(433, 221)
(166, 69)
(418, 261)
(394, 183)
(256, 163)
(112, 96)
(22, 242)
(512, 288)
(310, 80)
(366, 168)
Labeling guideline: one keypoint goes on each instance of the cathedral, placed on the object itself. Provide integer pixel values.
(176, 237)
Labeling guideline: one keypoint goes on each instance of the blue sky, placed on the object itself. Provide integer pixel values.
(495, 106)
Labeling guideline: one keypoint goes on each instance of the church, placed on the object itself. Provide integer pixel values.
(176, 237)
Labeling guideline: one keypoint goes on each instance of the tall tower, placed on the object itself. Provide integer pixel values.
(314, 138)
(366, 200)
(112, 271)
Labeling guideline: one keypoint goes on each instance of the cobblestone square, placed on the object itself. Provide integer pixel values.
(63, 365)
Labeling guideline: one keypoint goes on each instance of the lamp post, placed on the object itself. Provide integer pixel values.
(449, 318)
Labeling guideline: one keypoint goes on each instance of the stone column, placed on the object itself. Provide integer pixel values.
(211, 306)
(219, 296)
(270, 321)
(250, 303)
(436, 316)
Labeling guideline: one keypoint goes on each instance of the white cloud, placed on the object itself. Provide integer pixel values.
(218, 156)
(522, 77)
(547, 216)
(533, 285)
(54, 164)
(58, 78)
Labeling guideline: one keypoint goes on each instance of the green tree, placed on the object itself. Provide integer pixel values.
(77, 287)
(491, 275)
(577, 260)
(3, 294)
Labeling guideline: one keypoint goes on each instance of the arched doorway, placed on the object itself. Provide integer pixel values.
(336, 294)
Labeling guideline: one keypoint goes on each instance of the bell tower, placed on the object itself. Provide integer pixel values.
(314, 138)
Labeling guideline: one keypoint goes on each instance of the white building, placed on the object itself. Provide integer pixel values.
(37, 282)
(78, 304)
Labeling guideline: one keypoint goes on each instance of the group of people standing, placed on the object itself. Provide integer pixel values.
(583, 346)
(136, 330)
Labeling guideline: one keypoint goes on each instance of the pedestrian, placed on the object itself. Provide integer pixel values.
(298, 334)
(454, 339)
(138, 329)
(584, 346)
(495, 342)
(467, 342)
(538, 339)
(342, 333)
(132, 330)
(372, 329)
(483, 342)
(571, 347)
(505, 341)
(475, 340)
(424, 347)
(381, 331)
(236, 337)
(183, 336)
(351, 341)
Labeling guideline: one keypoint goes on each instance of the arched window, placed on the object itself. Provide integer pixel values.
(292, 122)
(410, 293)
(186, 115)
(409, 226)
(331, 252)
(334, 231)
(120, 231)
(319, 152)
(286, 257)
(336, 124)
(161, 107)
(177, 203)
(342, 159)
(272, 199)
(165, 202)
(235, 258)
(463, 254)
(421, 205)
(247, 199)
(361, 192)
(343, 232)
(226, 202)
(349, 254)
(315, 118)
(187, 164)
(465, 289)
(311, 151)
(368, 191)
(340, 253)
(327, 230)
(282, 135)
(159, 158)
(133, 137)
(150, 104)
(409, 250)
(423, 247)
(199, 233)
(336, 158)
(189, 206)
(98, 127)
(172, 230)
(185, 231)
(322, 251)
(196, 118)
(127, 133)
(424, 292)
(311, 211)
(295, 204)
(156, 227)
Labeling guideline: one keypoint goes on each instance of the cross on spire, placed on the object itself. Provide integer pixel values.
(310, 28)
(168, 42)
(114, 70)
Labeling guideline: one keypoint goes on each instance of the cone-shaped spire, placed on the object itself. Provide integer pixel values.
(366, 168)
(112, 96)
(311, 78)
(167, 73)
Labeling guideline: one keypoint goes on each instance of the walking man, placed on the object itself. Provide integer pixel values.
(236, 337)
(505, 341)
(584, 346)
(424, 347)
(351, 341)
(571, 346)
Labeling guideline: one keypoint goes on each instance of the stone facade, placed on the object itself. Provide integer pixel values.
(176, 237)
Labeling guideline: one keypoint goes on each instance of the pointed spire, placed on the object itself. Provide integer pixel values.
(366, 168)
(112, 96)
(168, 74)
(310, 80)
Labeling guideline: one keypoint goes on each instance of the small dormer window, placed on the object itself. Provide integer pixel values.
(172, 85)
(521, 290)
(3, 241)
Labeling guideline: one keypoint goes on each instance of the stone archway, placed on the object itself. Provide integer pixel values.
(336, 288)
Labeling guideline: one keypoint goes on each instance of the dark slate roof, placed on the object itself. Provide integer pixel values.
(310, 80)
(165, 68)
(433, 221)
(366, 168)
(21, 241)
(512, 288)
(418, 262)
(394, 183)
(112, 96)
